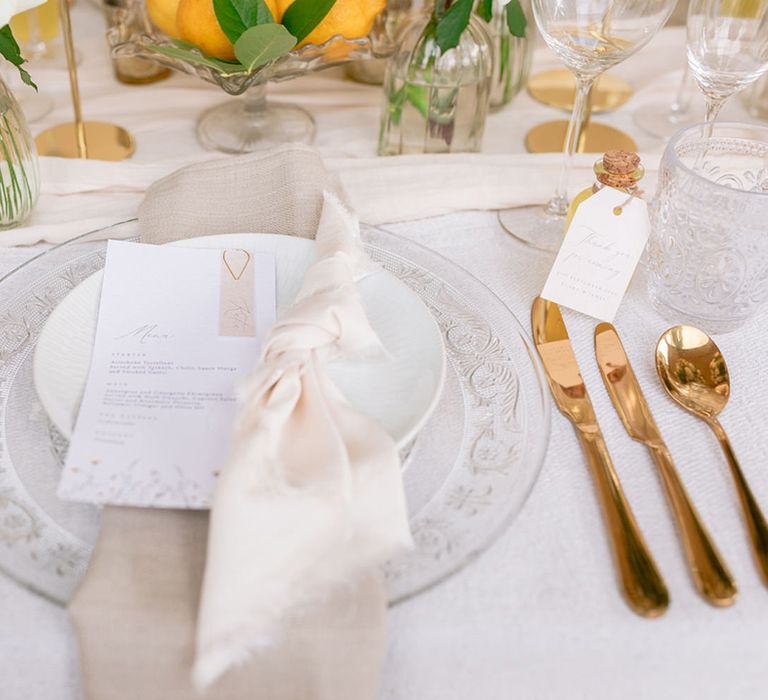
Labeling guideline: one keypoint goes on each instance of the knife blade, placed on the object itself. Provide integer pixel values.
(710, 573)
(642, 583)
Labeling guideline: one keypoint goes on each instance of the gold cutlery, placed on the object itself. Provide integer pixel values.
(644, 588)
(693, 371)
(710, 573)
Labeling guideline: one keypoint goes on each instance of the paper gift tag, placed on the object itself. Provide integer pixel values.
(237, 295)
(599, 254)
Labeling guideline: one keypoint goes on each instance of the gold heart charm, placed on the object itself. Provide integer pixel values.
(231, 267)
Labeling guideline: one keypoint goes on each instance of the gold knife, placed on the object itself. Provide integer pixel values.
(710, 573)
(642, 583)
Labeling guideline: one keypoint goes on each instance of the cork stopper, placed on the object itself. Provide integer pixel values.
(619, 169)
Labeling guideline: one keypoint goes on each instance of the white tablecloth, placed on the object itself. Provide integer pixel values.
(539, 615)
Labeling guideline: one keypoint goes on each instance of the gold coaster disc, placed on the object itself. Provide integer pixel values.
(556, 88)
(104, 141)
(549, 137)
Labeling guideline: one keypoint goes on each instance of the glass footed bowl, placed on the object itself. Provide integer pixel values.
(251, 123)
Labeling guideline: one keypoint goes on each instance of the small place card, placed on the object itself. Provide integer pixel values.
(599, 254)
(160, 401)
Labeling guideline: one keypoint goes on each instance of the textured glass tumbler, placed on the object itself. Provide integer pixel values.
(708, 251)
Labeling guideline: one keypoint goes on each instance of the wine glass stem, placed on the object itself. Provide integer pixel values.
(684, 94)
(713, 109)
(558, 205)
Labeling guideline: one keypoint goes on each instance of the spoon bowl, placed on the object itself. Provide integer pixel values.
(693, 371)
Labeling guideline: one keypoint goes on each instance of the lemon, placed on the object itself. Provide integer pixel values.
(196, 23)
(163, 15)
(350, 18)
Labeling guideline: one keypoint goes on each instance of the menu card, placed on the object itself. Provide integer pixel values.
(160, 400)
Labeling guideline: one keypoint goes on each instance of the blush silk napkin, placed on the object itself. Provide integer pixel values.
(311, 496)
(310, 503)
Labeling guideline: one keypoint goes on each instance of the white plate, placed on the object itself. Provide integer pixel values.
(400, 392)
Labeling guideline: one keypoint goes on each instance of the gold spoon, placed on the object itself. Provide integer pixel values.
(693, 371)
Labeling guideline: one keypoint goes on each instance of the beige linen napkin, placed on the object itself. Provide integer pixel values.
(83, 196)
(135, 612)
(135, 618)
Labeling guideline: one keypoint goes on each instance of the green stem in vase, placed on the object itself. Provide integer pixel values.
(19, 157)
(15, 189)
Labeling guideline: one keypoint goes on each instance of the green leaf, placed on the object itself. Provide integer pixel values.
(184, 44)
(485, 10)
(303, 16)
(235, 16)
(11, 51)
(516, 20)
(223, 67)
(452, 24)
(260, 45)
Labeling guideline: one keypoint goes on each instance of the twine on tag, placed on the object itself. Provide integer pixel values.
(619, 210)
(620, 170)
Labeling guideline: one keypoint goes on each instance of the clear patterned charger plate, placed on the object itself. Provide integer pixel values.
(466, 476)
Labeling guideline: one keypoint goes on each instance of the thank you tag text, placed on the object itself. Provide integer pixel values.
(599, 254)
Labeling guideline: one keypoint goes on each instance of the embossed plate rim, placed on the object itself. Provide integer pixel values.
(518, 481)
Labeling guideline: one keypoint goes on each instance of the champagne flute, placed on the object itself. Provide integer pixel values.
(727, 47)
(589, 36)
(665, 120)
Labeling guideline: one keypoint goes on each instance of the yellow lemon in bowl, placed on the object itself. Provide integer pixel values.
(163, 15)
(196, 23)
(350, 18)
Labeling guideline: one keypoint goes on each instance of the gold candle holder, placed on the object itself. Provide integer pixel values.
(549, 137)
(81, 139)
(557, 88)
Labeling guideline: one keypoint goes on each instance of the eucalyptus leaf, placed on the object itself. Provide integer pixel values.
(452, 24)
(485, 10)
(516, 20)
(9, 48)
(184, 44)
(260, 45)
(223, 67)
(235, 16)
(302, 16)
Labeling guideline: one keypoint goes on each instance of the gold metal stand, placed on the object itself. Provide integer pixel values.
(549, 137)
(556, 88)
(593, 138)
(79, 139)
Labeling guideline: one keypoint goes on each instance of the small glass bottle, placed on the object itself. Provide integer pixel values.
(511, 55)
(618, 169)
(436, 102)
(124, 17)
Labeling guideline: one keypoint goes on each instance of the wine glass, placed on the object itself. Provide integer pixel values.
(663, 119)
(589, 36)
(727, 47)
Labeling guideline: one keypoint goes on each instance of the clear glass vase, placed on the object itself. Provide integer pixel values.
(511, 55)
(371, 71)
(19, 168)
(436, 102)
